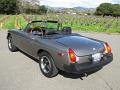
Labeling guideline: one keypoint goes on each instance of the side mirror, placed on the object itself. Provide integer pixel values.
(67, 30)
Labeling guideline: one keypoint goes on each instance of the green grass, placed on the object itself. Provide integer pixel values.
(22, 22)
(83, 23)
(10, 24)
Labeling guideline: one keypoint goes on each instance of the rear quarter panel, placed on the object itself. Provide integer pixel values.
(53, 48)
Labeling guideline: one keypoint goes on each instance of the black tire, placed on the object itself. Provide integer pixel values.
(11, 46)
(47, 65)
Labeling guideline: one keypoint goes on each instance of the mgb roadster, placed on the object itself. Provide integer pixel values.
(57, 48)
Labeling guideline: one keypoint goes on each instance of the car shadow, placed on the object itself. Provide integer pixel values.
(65, 74)
(71, 75)
(77, 76)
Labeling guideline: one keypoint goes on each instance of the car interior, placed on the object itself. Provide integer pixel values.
(42, 30)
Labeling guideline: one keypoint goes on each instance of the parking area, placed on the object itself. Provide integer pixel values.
(20, 72)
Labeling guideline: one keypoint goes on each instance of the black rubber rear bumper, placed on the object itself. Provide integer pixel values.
(88, 67)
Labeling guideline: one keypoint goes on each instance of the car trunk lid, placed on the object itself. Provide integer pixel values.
(81, 45)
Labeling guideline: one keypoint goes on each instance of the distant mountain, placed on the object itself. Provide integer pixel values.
(84, 9)
(74, 8)
(55, 8)
(58, 8)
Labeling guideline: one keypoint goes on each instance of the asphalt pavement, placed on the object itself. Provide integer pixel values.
(20, 72)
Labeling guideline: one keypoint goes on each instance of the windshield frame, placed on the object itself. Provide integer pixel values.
(58, 27)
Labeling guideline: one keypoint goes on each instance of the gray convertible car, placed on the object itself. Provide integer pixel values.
(57, 48)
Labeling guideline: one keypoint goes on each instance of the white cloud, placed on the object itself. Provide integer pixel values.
(74, 3)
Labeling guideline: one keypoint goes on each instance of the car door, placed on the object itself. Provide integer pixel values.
(24, 41)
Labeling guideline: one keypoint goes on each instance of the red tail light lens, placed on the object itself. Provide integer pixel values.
(107, 48)
(72, 55)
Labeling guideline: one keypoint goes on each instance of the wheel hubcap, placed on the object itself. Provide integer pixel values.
(45, 64)
(10, 43)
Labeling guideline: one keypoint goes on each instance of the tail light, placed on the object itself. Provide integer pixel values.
(107, 48)
(72, 55)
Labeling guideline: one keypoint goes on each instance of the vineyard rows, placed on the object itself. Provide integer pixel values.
(85, 23)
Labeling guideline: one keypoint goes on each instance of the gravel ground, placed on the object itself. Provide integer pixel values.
(19, 72)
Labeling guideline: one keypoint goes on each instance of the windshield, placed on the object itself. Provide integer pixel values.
(37, 24)
(45, 24)
(50, 25)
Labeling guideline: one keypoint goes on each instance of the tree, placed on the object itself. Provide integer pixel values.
(42, 9)
(108, 9)
(104, 9)
(9, 7)
(116, 10)
(21, 6)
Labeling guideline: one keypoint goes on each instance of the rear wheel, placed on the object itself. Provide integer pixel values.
(11, 46)
(47, 65)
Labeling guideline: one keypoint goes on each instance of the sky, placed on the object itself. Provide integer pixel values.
(75, 3)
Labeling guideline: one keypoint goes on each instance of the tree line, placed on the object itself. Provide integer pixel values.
(21, 6)
(108, 9)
